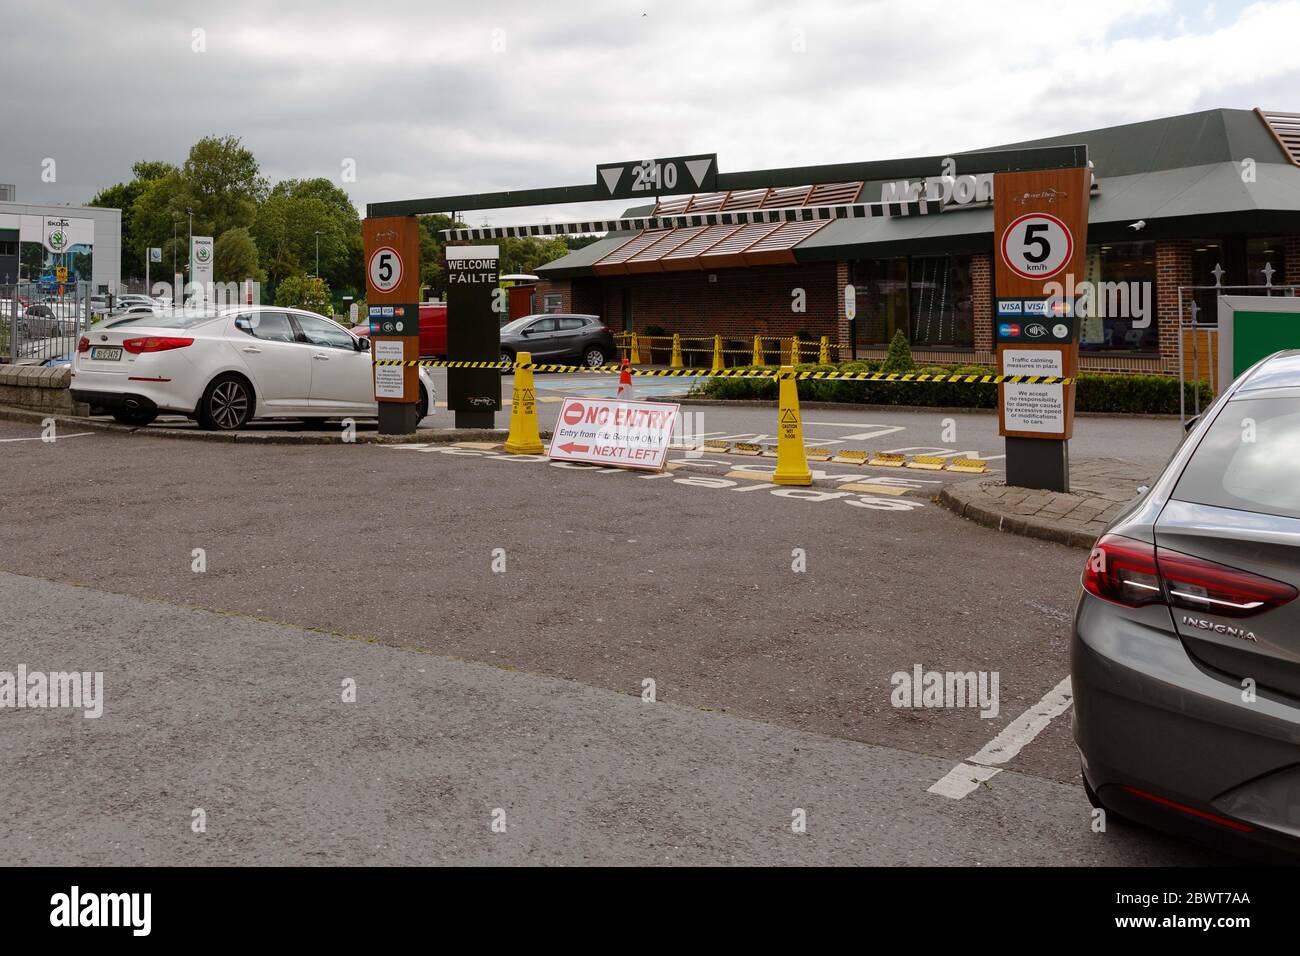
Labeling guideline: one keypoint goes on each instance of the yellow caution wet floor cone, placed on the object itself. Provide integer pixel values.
(625, 384)
(676, 361)
(791, 461)
(524, 438)
(718, 364)
(635, 357)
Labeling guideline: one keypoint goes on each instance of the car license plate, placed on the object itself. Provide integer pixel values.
(102, 354)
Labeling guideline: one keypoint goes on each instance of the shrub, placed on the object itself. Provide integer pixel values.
(899, 357)
(303, 292)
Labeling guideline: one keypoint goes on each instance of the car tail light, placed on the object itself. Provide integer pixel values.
(155, 343)
(1200, 585)
(1135, 574)
(1123, 571)
(83, 345)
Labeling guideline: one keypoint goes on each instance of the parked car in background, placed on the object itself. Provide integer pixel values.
(228, 368)
(433, 329)
(43, 321)
(1186, 651)
(551, 338)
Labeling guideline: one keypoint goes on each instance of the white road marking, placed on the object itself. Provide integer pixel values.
(968, 775)
(57, 437)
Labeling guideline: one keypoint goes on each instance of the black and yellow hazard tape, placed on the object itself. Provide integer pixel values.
(749, 373)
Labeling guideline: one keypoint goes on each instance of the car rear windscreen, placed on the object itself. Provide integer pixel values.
(1248, 460)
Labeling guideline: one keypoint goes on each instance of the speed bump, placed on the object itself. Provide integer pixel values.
(817, 453)
(743, 475)
(715, 445)
(849, 456)
(927, 462)
(971, 466)
(769, 449)
(866, 487)
(746, 448)
(883, 459)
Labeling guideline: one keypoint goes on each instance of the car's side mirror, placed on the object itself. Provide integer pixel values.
(363, 345)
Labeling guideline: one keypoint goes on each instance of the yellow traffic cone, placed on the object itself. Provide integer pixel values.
(758, 351)
(636, 351)
(676, 361)
(524, 439)
(824, 357)
(718, 365)
(791, 461)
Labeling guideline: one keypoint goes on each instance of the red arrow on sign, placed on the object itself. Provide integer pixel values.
(571, 448)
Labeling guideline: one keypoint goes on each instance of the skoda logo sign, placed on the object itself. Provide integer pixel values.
(202, 253)
(1035, 330)
(58, 239)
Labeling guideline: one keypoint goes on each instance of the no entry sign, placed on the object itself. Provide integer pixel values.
(610, 432)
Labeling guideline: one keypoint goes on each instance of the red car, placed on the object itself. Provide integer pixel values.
(433, 329)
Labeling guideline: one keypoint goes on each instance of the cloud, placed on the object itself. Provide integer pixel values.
(430, 101)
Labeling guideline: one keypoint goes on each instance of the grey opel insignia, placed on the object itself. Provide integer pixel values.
(1186, 649)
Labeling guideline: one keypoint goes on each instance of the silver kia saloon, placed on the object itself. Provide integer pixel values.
(1186, 649)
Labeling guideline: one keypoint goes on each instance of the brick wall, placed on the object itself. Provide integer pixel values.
(562, 286)
(981, 280)
(842, 333)
(1173, 269)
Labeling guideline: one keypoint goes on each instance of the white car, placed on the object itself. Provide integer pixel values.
(226, 369)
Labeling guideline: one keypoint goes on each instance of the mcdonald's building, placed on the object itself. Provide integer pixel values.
(1182, 209)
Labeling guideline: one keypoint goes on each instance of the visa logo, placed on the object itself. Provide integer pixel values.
(1036, 307)
(1006, 307)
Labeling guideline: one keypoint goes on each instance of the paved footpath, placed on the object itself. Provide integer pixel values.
(1100, 490)
(245, 721)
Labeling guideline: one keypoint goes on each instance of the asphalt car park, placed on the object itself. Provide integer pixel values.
(772, 626)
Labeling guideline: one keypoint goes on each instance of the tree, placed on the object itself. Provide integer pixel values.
(526, 254)
(140, 222)
(235, 257)
(433, 271)
(286, 232)
(305, 292)
(899, 356)
(222, 183)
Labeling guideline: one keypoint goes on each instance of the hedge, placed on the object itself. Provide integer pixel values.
(1150, 394)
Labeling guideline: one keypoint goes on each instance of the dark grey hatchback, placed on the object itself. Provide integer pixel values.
(1186, 651)
(552, 338)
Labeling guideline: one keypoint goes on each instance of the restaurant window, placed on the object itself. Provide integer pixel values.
(8, 248)
(552, 302)
(1121, 315)
(928, 298)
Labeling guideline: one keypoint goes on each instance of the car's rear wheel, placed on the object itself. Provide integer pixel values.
(226, 405)
(134, 416)
(593, 357)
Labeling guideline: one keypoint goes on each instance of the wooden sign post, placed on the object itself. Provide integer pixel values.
(392, 256)
(1040, 232)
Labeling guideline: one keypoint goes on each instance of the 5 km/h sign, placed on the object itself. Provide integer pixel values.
(610, 432)
(385, 269)
(1037, 246)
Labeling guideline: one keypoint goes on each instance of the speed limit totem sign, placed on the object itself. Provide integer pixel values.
(1040, 234)
(392, 256)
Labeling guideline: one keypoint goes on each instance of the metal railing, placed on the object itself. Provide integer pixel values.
(1198, 351)
(37, 326)
(701, 351)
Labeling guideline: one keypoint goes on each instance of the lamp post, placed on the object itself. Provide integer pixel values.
(318, 232)
(189, 254)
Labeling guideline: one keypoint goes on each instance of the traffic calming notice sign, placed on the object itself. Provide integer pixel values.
(613, 432)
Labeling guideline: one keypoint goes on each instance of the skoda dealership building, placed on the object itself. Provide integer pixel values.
(1180, 207)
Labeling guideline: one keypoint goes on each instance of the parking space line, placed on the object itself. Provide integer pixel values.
(968, 775)
(57, 438)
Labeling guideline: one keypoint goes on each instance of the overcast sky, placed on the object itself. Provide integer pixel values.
(431, 98)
